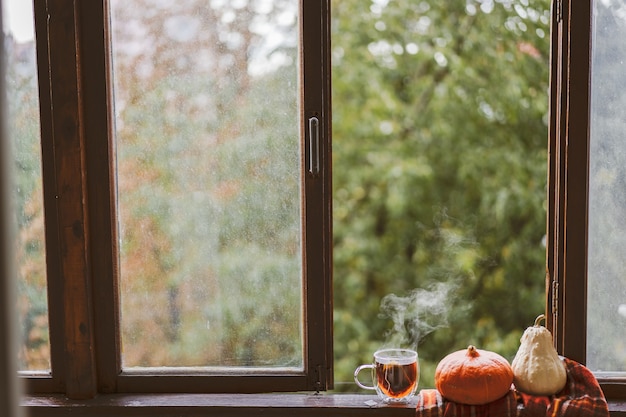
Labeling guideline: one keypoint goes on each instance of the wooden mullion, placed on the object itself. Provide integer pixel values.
(552, 139)
(556, 189)
(316, 102)
(97, 114)
(55, 381)
(69, 169)
(573, 285)
(568, 185)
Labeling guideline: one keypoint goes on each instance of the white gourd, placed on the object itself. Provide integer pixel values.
(537, 368)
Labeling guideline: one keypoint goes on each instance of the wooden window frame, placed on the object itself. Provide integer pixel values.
(566, 258)
(74, 69)
(568, 192)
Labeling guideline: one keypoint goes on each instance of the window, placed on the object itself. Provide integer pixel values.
(23, 120)
(208, 184)
(580, 125)
(85, 216)
(99, 136)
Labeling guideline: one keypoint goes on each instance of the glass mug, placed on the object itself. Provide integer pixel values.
(395, 374)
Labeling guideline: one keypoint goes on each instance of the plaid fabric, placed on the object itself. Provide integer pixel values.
(431, 404)
(581, 397)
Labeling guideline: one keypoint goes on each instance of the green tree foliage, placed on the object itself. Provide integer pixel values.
(439, 145)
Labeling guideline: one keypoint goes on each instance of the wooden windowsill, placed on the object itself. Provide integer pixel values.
(249, 405)
(192, 405)
(617, 408)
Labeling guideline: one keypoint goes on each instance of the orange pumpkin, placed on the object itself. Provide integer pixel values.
(473, 376)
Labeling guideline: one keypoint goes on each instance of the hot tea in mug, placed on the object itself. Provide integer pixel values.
(395, 374)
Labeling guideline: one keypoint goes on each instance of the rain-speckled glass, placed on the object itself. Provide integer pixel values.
(208, 182)
(24, 131)
(606, 308)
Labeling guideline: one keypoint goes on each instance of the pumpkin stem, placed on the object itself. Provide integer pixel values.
(471, 351)
(538, 319)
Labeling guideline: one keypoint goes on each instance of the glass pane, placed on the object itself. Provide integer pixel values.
(206, 106)
(440, 127)
(606, 317)
(24, 125)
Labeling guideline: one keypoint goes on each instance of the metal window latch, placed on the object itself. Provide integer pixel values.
(314, 146)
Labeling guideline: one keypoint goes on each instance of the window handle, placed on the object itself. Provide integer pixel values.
(314, 146)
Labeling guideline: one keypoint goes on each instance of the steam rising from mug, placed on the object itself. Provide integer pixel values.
(418, 314)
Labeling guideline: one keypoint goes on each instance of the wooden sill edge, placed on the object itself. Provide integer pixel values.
(296, 404)
(248, 404)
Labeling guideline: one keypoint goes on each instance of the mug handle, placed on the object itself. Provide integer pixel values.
(356, 376)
